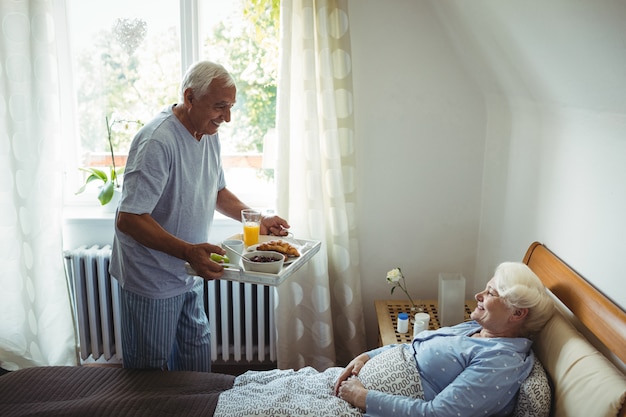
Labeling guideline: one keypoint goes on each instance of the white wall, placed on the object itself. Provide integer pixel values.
(497, 124)
(555, 87)
(420, 123)
(565, 189)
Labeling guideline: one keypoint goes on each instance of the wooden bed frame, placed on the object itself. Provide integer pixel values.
(603, 318)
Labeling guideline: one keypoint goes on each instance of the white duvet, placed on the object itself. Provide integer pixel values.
(307, 392)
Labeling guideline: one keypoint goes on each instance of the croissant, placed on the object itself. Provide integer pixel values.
(279, 246)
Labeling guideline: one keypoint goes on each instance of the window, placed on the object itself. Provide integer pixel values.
(127, 64)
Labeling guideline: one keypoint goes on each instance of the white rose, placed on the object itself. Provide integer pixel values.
(394, 275)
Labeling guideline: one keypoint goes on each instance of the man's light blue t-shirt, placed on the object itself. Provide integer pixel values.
(174, 178)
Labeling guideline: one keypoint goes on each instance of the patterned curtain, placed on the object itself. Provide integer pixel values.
(35, 314)
(319, 312)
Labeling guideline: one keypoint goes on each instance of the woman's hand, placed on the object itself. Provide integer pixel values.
(353, 369)
(353, 391)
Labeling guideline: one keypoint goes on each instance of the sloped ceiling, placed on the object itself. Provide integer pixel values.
(563, 52)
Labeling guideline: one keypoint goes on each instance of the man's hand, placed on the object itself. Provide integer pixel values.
(199, 257)
(274, 225)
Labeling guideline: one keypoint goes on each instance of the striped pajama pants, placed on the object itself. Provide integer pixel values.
(170, 333)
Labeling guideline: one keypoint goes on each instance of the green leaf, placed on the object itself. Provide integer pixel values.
(109, 184)
(106, 193)
(96, 175)
(87, 181)
(97, 172)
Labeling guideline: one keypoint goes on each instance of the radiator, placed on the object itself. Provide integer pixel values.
(241, 315)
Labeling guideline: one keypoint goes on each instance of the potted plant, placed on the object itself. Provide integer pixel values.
(110, 182)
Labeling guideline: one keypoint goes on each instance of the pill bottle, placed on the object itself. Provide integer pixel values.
(403, 323)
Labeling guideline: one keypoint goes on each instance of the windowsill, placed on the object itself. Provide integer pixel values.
(91, 224)
(87, 213)
(87, 224)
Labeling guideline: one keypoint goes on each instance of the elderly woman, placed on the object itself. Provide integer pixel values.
(473, 368)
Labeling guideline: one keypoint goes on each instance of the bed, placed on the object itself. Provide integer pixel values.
(581, 380)
(585, 383)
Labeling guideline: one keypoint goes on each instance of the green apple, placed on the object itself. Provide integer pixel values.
(219, 258)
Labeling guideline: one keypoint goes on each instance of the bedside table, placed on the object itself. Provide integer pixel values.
(387, 315)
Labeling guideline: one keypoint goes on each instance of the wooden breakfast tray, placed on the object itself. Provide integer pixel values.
(307, 249)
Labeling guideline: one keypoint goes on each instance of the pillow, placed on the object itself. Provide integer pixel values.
(535, 395)
(393, 372)
(585, 382)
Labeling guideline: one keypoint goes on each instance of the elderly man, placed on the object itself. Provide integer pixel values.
(173, 183)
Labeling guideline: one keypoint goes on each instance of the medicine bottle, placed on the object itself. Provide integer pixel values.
(403, 323)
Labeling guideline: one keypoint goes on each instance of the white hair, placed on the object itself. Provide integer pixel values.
(520, 287)
(200, 75)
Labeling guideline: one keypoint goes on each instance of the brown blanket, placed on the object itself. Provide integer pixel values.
(103, 391)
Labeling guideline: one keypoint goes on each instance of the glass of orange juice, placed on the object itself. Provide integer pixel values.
(251, 220)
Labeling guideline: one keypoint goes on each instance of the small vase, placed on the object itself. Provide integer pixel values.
(418, 308)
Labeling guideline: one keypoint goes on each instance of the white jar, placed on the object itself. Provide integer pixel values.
(403, 323)
(422, 320)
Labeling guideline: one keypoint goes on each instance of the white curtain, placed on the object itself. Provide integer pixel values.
(319, 312)
(35, 315)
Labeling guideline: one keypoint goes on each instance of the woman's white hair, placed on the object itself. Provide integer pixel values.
(520, 287)
(200, 75)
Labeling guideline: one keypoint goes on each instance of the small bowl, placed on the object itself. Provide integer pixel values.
(270, 267)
